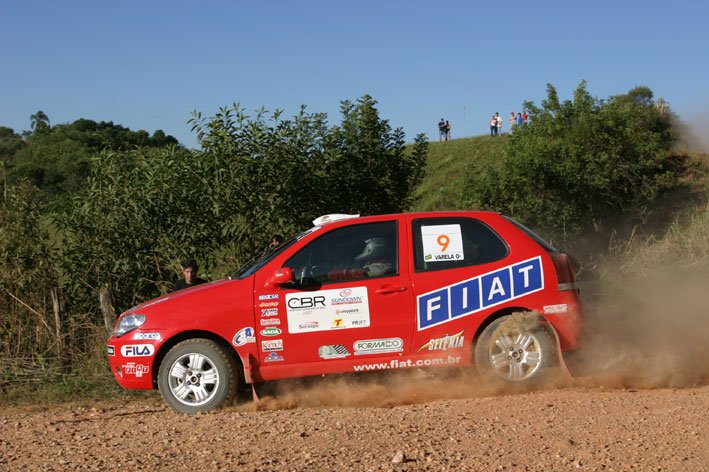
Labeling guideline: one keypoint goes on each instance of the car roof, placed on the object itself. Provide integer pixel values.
(344, 220)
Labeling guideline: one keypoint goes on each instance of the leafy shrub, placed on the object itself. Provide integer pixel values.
(581, 163)
(145, 209)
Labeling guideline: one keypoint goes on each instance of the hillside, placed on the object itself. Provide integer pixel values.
(448, 165)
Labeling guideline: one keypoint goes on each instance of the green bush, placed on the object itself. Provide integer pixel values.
(145, 209)
(582, 163)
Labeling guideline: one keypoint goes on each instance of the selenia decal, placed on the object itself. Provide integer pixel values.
(454, 341)
(326, 310)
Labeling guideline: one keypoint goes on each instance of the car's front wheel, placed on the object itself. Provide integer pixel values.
(516, 348)
(197, 375)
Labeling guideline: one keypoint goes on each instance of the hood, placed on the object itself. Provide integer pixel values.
(174, 298)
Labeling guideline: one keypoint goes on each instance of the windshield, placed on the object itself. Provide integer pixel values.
(267, 256)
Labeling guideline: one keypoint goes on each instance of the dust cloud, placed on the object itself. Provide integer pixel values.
(645, 331)
(695, 130)
(382, 389)
(648, 332)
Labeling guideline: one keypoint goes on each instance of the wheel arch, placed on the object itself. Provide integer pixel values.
(544, 322)
(194, 334)
(508, 311)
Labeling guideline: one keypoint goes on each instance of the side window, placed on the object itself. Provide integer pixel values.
(448, 243)
(349, 253)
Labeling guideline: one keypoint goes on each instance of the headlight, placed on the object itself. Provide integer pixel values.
(128, 323)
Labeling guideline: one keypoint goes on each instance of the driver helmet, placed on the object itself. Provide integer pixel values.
(373, 248)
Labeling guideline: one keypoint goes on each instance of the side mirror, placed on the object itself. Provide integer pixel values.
(281, 276)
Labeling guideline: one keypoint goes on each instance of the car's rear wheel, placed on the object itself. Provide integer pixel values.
(516, 349)
(197, 375)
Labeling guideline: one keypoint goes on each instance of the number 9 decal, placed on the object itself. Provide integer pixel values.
(443, 241)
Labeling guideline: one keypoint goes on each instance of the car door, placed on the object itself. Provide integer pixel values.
(459, 272)
(350, 299)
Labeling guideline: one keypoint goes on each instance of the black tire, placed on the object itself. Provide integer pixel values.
(197, 375)
(517, 349)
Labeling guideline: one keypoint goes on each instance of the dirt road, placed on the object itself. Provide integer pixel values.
(415, 423)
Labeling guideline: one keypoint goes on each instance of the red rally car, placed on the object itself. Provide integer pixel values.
(358, 294)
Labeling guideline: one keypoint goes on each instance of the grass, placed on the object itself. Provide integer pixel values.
(449, 164)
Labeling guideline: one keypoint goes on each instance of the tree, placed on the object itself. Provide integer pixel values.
(40, 122)
(582, 163)
(145, 209)
(367, 169)
(57, 160)
(28, 275)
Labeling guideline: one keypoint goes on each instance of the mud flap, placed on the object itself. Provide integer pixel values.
(559, 355)
(247, 377)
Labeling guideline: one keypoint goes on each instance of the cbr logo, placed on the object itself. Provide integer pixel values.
(306, 302)
(137, 350)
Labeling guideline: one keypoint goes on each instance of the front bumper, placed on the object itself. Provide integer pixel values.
(132, 362)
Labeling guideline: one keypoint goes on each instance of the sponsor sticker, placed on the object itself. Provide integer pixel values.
(137, 350)
(442, 243)
(269, 312)
(111, 350)
(132, 368)
(551, 309)
(143, 336)
(273, 357)
(244, 336)
(270, 332)
(470, 296)
(272, 345)
(325, 310)
(268, 296)
(378, 346)
(453, 341)
(270, 321)
(334, 351)
(268, 304)
(308, 325)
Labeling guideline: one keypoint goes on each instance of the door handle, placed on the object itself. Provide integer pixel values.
(390, 289)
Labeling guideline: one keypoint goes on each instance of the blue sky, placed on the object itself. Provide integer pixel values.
(147, 65)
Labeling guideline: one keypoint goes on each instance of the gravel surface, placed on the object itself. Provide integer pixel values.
(414, 423)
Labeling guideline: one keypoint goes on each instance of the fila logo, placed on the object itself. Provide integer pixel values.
(137, 350)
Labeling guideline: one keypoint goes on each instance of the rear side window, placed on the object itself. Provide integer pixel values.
(449, 243)
(537, 239)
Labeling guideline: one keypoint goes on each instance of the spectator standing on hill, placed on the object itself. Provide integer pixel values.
(520, 120)
(448, 130)
(493, 126)
(525, 116)
(498, 120)
(513, 121)
(441, 130)
(191, 279)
